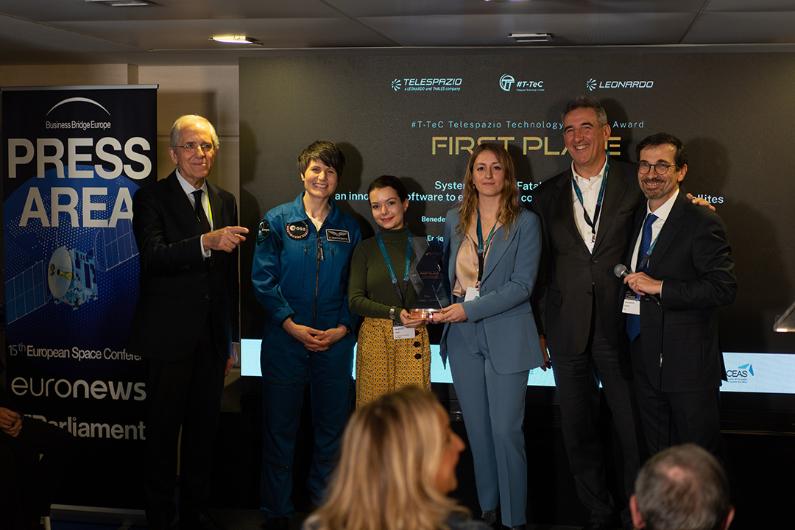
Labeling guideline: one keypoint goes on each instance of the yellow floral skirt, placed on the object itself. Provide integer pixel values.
(384, 364)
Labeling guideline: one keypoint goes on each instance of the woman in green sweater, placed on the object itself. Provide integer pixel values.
(393, 349)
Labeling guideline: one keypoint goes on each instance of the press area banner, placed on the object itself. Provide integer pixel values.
(418, 113)
(73, 157)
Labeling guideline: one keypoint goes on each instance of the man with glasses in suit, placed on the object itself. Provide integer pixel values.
(186, 320)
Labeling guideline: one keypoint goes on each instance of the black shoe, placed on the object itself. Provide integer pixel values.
(276, 523)
(490, 518)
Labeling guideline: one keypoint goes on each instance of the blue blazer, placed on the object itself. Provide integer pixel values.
(503, 308)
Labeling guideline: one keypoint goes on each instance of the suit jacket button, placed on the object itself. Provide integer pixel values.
(417, 344)
(418, 356)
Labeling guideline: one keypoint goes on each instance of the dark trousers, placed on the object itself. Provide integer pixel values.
(577, 377)
(182, 393)
(31, 470)
(671, 418)
(287, 368)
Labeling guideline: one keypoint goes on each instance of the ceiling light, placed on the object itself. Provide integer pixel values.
(121, 3)
(531, 37)
(234, 39)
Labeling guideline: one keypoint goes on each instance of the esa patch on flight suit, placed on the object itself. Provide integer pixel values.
(297, 230)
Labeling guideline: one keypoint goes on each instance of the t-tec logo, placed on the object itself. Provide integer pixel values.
(506, 82)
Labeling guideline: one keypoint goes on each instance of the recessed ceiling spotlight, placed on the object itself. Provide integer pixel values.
(531, 37)
(234, 39)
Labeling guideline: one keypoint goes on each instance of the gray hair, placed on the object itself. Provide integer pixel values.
(188, 119)
(683, 488)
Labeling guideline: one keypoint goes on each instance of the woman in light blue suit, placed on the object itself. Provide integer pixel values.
(492, 250)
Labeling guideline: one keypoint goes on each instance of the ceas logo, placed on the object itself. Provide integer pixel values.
(591, 84)
(396, 85)
(506, 82)
(741, 373)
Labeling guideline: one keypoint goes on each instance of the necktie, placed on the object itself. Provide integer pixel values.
(633, 321)
(201, 217)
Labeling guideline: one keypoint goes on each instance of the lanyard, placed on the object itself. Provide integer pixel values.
(388, 262)
(483, 249)
(599, 200)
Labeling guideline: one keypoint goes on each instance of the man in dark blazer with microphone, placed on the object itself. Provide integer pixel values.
(586, 214)
(186, 320)
(684, 272)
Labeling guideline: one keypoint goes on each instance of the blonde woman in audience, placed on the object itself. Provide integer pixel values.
(397, 466)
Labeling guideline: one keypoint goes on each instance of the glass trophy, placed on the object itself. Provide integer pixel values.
(427, 277)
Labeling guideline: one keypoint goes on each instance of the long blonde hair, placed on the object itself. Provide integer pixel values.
(391, 452)
(509, 202)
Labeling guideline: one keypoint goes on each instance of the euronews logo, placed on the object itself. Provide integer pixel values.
(78, 389)
(741, 374)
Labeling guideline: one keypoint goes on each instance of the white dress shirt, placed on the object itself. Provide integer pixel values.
(590, 193)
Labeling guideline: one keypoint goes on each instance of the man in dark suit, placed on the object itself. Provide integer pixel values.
(186, 319)
(684, 273)
(586, 214)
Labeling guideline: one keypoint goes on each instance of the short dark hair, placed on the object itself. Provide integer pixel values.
(389, 181)
(663, 138)
(586, 102)
(683, 487)
(325, 151)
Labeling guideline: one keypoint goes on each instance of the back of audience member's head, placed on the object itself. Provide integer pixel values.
(390, 466)
(682, 488)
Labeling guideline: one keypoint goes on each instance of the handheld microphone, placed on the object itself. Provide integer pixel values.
(620, 271)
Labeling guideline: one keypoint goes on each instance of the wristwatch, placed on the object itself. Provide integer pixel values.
(392, 314)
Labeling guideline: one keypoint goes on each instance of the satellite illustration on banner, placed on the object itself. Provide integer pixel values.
(70, 276)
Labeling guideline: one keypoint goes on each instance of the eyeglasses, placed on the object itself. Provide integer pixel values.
(193, 146)
(661, 168)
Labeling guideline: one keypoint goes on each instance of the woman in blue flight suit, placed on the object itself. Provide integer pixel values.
(300, 274)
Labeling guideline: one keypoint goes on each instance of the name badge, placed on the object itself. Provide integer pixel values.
(403, 332)
(340, 236)
(471, 294)
(631, 304)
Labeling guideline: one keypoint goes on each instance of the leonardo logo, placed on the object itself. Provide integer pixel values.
(741, 374)
(396, 85)
(592, 84)
(506, 82)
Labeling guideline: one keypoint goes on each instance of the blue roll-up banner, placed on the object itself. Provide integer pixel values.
(73, 157)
